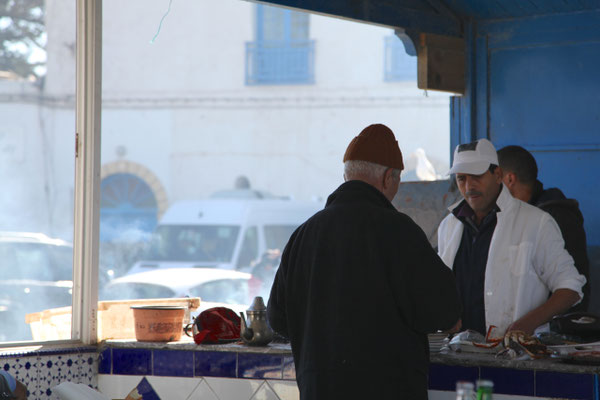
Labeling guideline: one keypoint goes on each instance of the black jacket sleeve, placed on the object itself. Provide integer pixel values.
(433, 300)
(276, 307)
(276, 313)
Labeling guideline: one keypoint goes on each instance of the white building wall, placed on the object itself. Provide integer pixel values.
(179, 106)
(20, 156)
(60, 66)
(199, 48)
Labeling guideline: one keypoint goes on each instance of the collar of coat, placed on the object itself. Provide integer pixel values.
(358, 190)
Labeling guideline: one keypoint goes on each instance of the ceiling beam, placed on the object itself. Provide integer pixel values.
(441, 7)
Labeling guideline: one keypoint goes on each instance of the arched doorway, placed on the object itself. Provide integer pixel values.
(128, 207)
(132, 200)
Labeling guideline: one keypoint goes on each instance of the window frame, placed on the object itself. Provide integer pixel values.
(86, 207)
(86, 229)
(260, 49)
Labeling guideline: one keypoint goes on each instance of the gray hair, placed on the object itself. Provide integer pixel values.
(358, 169)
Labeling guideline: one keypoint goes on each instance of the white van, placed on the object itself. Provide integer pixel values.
(229, 233)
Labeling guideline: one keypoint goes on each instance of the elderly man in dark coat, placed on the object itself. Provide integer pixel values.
(359, 286)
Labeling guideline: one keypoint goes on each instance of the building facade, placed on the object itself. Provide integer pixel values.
(201, 93)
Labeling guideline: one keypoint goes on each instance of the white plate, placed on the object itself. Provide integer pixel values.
(570, 348)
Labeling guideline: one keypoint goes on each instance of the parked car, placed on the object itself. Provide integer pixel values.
(226, 233)
(35, 274)
(215, 287)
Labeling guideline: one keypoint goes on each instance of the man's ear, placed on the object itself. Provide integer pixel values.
(388, 177)
(509, 179)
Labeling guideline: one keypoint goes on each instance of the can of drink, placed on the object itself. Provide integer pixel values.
(465, 390)
(485, 389)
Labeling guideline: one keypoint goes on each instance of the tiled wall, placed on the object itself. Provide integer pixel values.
(221, 375)
(201, 388)
(185, 363)
(526, 383)
(180, 374)
(40, 371)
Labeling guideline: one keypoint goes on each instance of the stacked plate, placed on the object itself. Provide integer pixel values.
(437, 341)
(573, 348)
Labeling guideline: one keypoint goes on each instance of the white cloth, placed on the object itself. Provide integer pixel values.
(526, 262)
(77, 391)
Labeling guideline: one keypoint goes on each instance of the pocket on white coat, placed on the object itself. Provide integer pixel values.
(519, 258)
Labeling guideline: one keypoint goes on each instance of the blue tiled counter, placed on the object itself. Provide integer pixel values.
(545, 378)
(271, 369)
(186, 359)
(184, 370)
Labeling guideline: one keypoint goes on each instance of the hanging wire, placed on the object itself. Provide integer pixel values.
(161, 21)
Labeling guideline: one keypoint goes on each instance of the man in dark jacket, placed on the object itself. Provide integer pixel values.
(520, 177)
(359, 286)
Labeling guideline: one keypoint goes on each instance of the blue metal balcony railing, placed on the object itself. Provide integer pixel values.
(399, 66)
(280, 62)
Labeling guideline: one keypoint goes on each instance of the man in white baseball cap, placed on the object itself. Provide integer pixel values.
(474, 158)
(511, 267)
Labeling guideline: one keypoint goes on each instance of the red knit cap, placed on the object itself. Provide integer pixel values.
(377, 144)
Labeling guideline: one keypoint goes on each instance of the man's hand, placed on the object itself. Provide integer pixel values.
(456, 327)
(558, 303)
(525, 324)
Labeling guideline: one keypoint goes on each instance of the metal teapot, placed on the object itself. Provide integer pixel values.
(256, 331)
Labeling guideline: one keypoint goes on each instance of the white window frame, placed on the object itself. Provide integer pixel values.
(86, 229)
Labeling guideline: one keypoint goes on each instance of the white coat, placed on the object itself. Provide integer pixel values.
(526, 262)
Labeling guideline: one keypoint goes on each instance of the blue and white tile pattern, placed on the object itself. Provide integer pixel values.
(40, 371)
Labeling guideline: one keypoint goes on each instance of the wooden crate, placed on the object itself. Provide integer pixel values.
(115, 318)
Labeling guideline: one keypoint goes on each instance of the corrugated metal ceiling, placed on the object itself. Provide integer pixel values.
(494, 9)
(446, 17)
